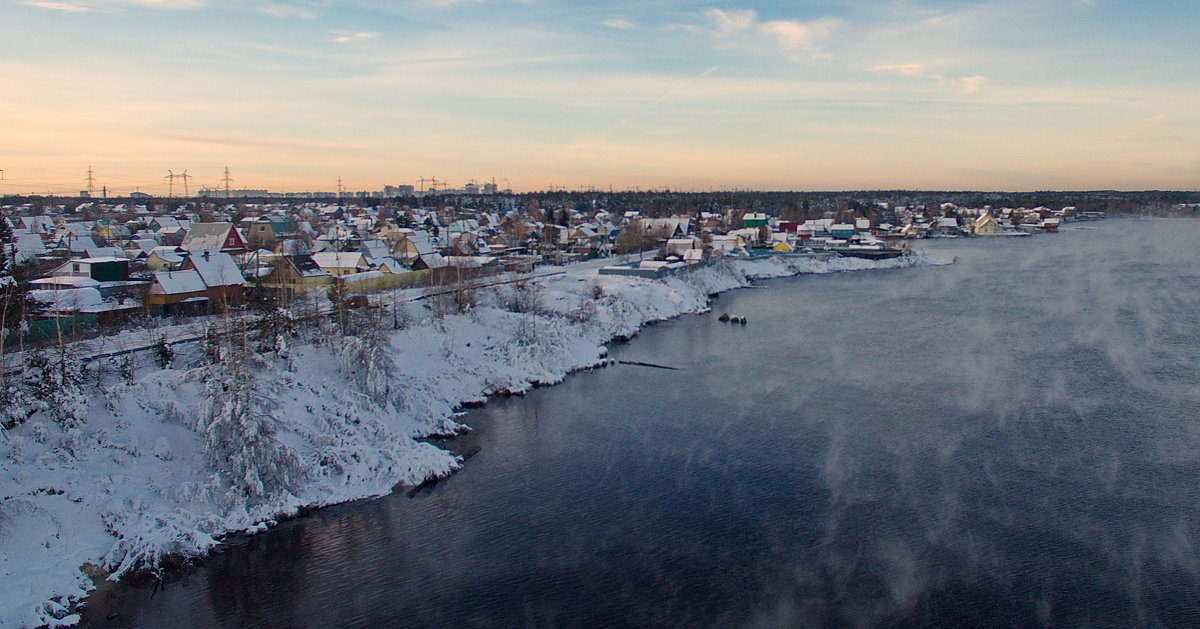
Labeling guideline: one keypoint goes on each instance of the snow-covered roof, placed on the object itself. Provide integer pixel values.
(338, 259)
(392, 265)
(80, 244)
(216, 268)
(167, 253)
(68, 299)
(66, 280)
(206, 236)
(433, 260)
(27, 244)
(145, 244)
(177, 283)
(110, 253)
(375, 250)
(38, 224)
(166, 222)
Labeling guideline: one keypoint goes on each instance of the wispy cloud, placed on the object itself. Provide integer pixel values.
(166, 4)
(346, 37)
(791, 35)
(286, 10)
(105, 6)
(923, 70)
(618, 23)
(58, 6)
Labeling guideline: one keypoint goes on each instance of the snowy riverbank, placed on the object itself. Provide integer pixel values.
(135, 480)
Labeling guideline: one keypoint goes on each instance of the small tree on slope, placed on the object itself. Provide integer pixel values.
(238, 425)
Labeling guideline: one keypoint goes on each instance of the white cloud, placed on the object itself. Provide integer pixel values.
(165, 4)
(58, 6)
(971, 84)
(345, 37)
(286, 10)
(618, 23)
(729, 22)
(906, 69)
(81, 7)
(788, 34)
(800, 35)
(923, 70)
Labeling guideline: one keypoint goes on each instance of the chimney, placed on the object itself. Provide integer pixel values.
(206, 255)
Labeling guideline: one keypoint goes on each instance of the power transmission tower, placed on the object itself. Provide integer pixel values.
(91, 182)
(170, 183)
(185, 177)
(226, 181)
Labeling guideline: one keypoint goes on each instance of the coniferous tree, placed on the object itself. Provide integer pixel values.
(238, 424)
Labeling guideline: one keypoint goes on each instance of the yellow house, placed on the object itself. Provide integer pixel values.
(295, 272)
(986, 224)
(341, 263)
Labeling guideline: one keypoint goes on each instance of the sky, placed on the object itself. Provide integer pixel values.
(290, 95)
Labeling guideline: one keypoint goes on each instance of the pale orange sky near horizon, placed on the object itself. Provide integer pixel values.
(948, 95)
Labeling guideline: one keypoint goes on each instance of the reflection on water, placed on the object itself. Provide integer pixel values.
(1010, 440)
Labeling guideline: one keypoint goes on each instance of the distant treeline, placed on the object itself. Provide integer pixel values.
(795, 204)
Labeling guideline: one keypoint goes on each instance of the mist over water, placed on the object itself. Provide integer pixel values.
(1010, 440)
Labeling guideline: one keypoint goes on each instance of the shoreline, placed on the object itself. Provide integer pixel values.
(178, 517)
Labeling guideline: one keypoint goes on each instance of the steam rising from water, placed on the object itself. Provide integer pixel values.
(1007, 441)
(1027, 424)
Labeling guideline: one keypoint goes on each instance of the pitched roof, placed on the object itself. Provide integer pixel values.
(210, 236)
(338, 260)
(216, 268)
(305, 266)
(177, 283)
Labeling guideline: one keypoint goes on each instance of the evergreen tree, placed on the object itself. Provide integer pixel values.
(274, 330)
(238, 424)
(55, 384)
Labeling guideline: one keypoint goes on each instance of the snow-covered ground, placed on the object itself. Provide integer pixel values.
(134, 477)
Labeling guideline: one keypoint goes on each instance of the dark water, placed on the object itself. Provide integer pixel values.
(1013, 440)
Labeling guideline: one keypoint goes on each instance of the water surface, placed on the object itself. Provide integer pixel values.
(1010, 440)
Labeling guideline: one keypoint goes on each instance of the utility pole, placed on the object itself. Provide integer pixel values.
(226, 181)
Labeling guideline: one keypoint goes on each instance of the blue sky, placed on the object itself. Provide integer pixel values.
(1017, 95)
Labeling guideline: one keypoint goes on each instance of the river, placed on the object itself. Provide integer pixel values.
(1013, 439)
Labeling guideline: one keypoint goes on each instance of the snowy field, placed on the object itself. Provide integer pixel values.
(138, 462)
